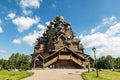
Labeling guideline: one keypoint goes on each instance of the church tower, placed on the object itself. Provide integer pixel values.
(59, 48)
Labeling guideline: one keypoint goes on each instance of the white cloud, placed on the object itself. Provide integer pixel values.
(30, 38)
(17, 41)
(95, 29)
(27, 5)
(110, 20)
(96, 39)
(5, 56)
(42, 27)
(113, 30)
(24, 23)
(107, 42)
(54, 6)
(47, 23)
(11, 15)
(1, 30)
(30, 3)
(0, 22)
(3, 51)
(27, 12)
(105, 22)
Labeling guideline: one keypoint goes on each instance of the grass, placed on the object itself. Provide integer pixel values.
(14, 75)
(103, 75)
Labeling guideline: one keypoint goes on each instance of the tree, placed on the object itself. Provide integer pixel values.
(107, 62)
(16, 61)
(6, 64)
(101, 62)
(12, 61)
(1, 63)
(25, 62)
(117, 63)
(110, 61)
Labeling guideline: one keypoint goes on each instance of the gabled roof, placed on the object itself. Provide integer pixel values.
(39, 55)
(62, 36)
(65, 47)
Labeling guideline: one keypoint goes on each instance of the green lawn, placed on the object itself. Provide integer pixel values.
(13, 75)
(103, 75)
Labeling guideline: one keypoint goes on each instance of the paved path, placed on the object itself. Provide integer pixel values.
(56, 74)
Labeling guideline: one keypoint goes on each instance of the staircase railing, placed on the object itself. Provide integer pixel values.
(78, 62)
(50, 62)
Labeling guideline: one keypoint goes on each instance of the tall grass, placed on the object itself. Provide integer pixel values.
(14, 75)
(103, 75)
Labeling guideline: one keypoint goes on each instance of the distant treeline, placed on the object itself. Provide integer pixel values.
(108, 62)
(16, 61)
(23, 62)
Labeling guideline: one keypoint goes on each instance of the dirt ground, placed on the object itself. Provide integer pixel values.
(56, 74)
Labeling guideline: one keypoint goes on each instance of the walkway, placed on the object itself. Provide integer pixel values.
(56, 74)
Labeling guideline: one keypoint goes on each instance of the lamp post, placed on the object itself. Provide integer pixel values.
(94, 50)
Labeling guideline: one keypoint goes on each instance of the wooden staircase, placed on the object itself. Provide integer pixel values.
(78, 62)
(50, 62)
(63, 57)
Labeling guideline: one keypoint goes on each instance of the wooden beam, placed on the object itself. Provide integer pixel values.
(34, 62)
(89, 67)
(43, 63)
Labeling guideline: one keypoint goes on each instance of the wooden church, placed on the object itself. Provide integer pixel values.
(59, 48)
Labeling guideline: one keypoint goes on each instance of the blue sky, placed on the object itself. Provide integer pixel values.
(95, 22)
